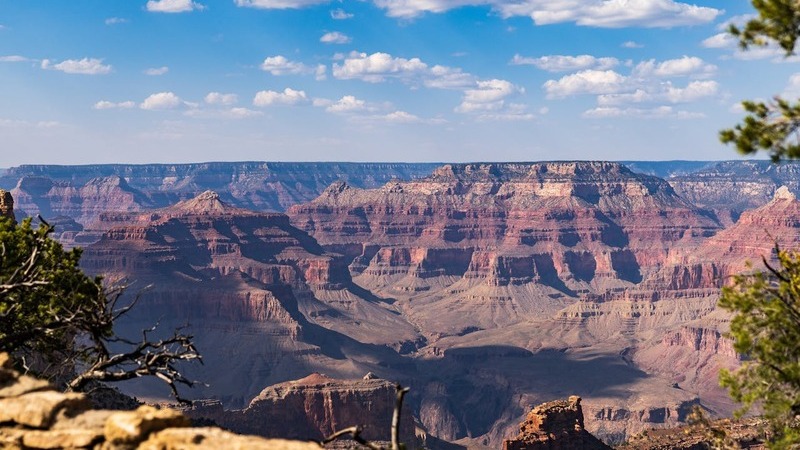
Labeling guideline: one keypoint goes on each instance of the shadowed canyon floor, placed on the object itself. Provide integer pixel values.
(487, 288)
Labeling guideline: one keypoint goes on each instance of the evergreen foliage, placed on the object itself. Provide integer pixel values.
(766, 329)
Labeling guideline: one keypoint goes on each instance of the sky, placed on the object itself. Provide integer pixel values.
(166, 81)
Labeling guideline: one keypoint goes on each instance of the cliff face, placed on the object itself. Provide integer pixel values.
(489, 234)
(315, 407)
(83, 192)
(485, 287)
(250, 286)
(7, 205)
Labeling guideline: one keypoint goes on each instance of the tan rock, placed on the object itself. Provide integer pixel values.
(22, 385)
(58, 439)
(214, 438)
(38, 409)
(129, 428)
(11, 438)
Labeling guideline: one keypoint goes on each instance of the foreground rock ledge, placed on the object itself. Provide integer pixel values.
(33, 415)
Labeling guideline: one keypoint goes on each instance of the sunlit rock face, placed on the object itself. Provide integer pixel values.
(7, 205)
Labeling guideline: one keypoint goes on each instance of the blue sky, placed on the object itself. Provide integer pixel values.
(140, 81)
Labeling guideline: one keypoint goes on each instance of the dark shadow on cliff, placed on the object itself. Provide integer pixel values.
(483, 383)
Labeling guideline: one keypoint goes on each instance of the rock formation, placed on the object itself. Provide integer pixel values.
(484, 287)
(34, 416)
(314, 408)
(254, 291)
(7, 205)
(556, 425)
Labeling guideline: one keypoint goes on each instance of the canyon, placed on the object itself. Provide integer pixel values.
(487, 288)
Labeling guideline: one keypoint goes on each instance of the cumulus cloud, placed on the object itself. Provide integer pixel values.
(278, 4)
(377, 67)
(586, 82)
(696, 90)
(681, 67)
(160, 101)
(335, 37)
(346, 104)
(289, 96)
(489, 95)
(216, 98)
(104, 104)
(280, 65)
(85, 66)
(596, 13)
(562, 63)
(661, 112)
(631, 44)
(156, 71)
(173, 6)
(340, 14)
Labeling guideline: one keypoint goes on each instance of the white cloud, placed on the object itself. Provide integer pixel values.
(561, 63)
(335, 37)
(289, 96)
(278, 4)
(666, 92)
(346, 104)
(586, 82)
(216, 98)
(104, 104)
(487, 96)
(340, 14)
(661, 112)
(115, 20)
(161, 100)
(597, 13)
(156, 71)
(401, 117)
(631, 44)
(377, 67)
(280, 65)
(792, 89)
(14, 58)
(719, 40)
(173, 6)
(242, 113)
(681, 67)
(85, 66)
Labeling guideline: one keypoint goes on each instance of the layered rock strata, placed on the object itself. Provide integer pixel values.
(252, 289)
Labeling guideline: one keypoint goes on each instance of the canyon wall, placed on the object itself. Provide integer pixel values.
(484, 287)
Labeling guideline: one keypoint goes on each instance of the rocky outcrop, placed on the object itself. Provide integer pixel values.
(7, 205)
(33, 416)
(315, 407)
(556, 425)
(749, 433)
